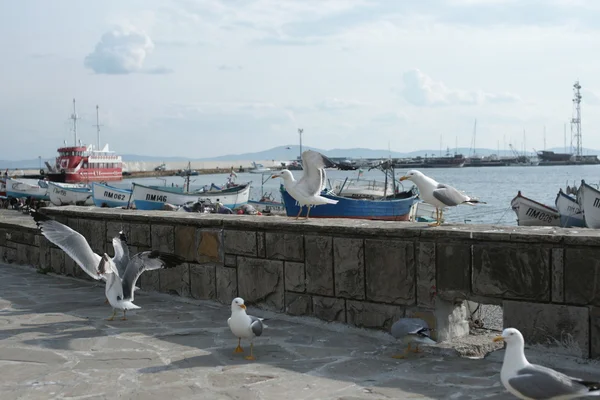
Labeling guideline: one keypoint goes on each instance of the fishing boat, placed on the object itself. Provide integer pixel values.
(2, 187)
(109, 196)
(423, 212)
(154, 198)
(81, 163)
(64, 194)
(532, 213)
(588, 198)
(569, 210)
(34, 188)
(258, 169)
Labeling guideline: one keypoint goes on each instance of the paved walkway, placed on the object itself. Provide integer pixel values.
(55, 343)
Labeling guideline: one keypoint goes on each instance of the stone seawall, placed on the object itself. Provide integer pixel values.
(363, 273)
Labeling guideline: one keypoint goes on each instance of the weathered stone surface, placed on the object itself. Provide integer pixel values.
(185, 241)
(372, 315)
(45, 257)
(565, 327)
(95, 233)
(71, 268)
(319, 265)
(453, 264)
(284, 246)
(261, 245)
(595, 332)
(329, 308)
(139, 235)
(511, 271)
(227, 287)
(112, 230)
(230, 260)
(261, 282)
(294, 276)
(3, 233)
(163, 238)
(210, 246)
(32, 255)
(425, 266)
(558, 276)
(349, 268)
(298, 304)
(175, 280)
(580, 263)
(451, 319)
(240, 242)
(390, 271)
(57, 258)
(203, 281)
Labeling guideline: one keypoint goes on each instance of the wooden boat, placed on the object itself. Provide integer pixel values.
(34, 188)
(588, 198)
(109, 196)
(569, 210)
(531, 213)
(64, 194)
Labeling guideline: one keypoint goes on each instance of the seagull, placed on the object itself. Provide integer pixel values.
(244, 326)
(438, 194)
(120, 288)
(531, 381)
(411, 330)
(306, 191)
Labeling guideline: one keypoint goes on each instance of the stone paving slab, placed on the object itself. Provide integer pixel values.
(56, 344)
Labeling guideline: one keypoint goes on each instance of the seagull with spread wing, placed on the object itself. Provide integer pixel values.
(438, 194)
(307, 190)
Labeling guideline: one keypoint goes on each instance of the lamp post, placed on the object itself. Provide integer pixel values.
(300, 130)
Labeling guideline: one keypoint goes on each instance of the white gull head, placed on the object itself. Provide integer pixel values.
(237, 305)
(284, 174)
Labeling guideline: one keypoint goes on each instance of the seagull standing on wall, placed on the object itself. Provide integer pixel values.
(438, 194)
(307, 190)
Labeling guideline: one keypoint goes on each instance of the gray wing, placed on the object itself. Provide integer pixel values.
(313, 178)
(146, 261)
(121, 258)
(71, 242)
(256, 325)
(449, 196)
(539, 382)
(409, 326)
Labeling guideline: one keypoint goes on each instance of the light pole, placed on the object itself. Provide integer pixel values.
(300, 130)
(40, 158)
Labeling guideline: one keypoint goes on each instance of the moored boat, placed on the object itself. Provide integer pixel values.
(532, 213)
(588, 198)
(34, 188)
(569, 210)
(110, 196)
(64, 194)
(362, 188)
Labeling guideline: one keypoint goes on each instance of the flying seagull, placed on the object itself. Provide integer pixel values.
(307, 190)
(531, 381)
(438, 194)
(244, 326)
(120, 288)
(411, 330)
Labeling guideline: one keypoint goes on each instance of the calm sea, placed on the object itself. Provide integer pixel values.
(494, 185)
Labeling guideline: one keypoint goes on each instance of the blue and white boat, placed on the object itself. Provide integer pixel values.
(570, 211)
(110, 196)
(34, 188)
(66, 194)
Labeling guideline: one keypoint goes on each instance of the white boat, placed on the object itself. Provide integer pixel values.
(259, 169)
(422, 212)
(569, 210)
(362, 188)
(153, 198)
(588, 198)
(110, 196)
(34, 188)
(531, 213)
(69, 194)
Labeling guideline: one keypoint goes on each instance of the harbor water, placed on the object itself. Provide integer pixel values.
(494, 185)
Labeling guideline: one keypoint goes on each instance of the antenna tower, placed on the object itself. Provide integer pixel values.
(576, 120)
(74, 117)
(97, 127)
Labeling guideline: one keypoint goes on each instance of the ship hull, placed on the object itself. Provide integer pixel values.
(570, 211)
(109, 196)
(66, 194)
(33, 188)
(589, 199)
(531, 213)
(87, 175)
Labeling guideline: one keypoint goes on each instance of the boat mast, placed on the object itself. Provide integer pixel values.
(74, 117)
(97, 127)
(576, 120)
(300, 130)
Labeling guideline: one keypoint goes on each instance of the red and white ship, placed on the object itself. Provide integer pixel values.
(81, 163)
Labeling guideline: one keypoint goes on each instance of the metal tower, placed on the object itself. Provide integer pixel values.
(74, 117)
(576, 120)
(97, 127)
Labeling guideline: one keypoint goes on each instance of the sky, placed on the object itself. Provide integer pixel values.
(198, 78)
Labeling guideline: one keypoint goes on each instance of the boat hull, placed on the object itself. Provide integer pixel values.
(531, 213)
(384, 210)
(109, 196)
(570, 211)
(87, 175)
(66, 194)
(148, 198)
(589, 199)
(34, 188)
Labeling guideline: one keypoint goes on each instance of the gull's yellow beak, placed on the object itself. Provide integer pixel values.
(498, 339)
(243, 306)
(403, 178)
(274, 176)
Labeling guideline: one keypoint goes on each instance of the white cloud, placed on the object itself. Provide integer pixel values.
(122, 50)
(421, 90)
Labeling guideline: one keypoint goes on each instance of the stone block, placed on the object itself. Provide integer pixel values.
(32, 255)
(57, 260)
(149, 281)
(511, 271)
(565, 328)
(329, 308)
(260, 282)
(227, 285)
(372, 315)
(298, 304)
(319, 265)
(295, 280)
(425, 268)
(139, 235)
(240, 243)
(453, 267)
(112, 230)
(45, 257)
(10, 255)
(230, 260)
(390, 271)
(163, 238)
(3, 250)
(451, 319)
(284, 246)
(95, 233)
(349, 268)
(209, 246)
(595, 332)
(175, 280)
(3, 233)
(582, 276)
(21, 253)
(71, 268)
(558, 276)
(202, 281)
(185, 241)
(261, 245)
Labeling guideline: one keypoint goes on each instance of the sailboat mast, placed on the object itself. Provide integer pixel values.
(97, 126)
(74, 118)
